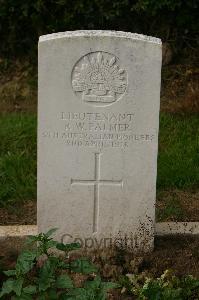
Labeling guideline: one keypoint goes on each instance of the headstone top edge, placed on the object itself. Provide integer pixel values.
(100, 33)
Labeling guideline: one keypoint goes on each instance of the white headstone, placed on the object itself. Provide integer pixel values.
(98, 136)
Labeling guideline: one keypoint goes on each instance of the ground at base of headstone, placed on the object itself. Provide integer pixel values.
(172, 205)
(179, 254)
(177, 206)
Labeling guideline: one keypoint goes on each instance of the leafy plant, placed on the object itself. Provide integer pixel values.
(40, 273)
(1, 269)
(166, 287)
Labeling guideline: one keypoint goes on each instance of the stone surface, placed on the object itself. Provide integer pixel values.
(17, 231)
(176, 228)
(97, 137)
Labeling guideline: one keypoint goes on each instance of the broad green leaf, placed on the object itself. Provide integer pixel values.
(42, 297)
(67, 297)
(12, 286)
(46, 274)
(30, 289)
(22, 297)
(52, 264)
(170, 293)
(10, 272)
(101, 295)
(31, 239)
(17, 286)
(49, 267)
(83, 266)
(51, 244)
(45, 283)
(52, 294)
(25, 261)
(94, 284)
(78, 294)
(152, 290)
(64, 282)
(50, 232)
(63, 265)
(109, 285)
(7, 287)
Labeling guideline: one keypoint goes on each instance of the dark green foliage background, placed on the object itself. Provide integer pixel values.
(22, 21)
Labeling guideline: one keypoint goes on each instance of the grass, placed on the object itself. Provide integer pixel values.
(178, 160)
(172, 210)
(17, 158)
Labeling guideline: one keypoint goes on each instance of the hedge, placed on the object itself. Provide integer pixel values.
(22, 21)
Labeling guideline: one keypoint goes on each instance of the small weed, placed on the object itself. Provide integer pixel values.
(167, 287)
(41, 274)
(1, 268)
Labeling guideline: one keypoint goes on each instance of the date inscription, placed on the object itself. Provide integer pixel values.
(97, 130)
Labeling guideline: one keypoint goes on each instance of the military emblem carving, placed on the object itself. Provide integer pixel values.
(97, 78)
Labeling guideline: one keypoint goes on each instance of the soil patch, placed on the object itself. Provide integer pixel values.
(18, 86)
(24, 214)
(180, 88)
(179, 253)
(178, 206)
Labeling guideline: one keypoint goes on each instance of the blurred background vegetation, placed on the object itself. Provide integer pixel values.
(23, 21)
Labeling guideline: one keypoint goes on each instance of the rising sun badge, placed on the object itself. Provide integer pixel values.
(97, 78)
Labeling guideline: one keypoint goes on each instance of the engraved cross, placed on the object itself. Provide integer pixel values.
(96, 182)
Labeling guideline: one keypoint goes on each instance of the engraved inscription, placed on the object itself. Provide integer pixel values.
(98, 79)
(98, 130)
(96, 182)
